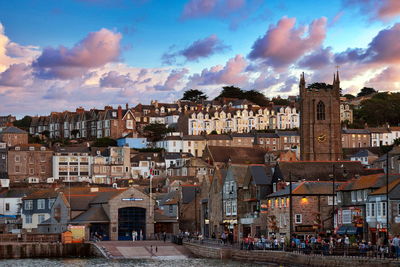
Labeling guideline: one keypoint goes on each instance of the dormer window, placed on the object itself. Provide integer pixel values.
(17, 148)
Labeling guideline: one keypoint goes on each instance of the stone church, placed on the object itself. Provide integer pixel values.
(320, 129)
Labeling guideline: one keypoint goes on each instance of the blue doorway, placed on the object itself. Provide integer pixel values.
(131, 219)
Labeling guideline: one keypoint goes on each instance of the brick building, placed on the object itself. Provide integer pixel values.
(13, 136)
(29, 160)
(320, 128)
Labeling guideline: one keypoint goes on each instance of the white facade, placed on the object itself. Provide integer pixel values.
(242, 121)
(10, 205)
(72, 168)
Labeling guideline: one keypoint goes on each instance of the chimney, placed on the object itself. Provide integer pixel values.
(126, 106)
(119, 112)
(108, 107)
(80, 110)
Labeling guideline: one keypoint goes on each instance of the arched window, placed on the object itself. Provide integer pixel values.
(320, 111)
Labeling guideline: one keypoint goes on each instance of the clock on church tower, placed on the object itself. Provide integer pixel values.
(320, 129)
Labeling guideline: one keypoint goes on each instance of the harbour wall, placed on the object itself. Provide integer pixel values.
(46, 250)
(286, 258)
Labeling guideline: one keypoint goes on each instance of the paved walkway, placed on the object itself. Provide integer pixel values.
(142, 249)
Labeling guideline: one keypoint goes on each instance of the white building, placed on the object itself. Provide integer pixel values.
(72, 164)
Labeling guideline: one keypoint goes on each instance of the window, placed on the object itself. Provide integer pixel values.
(41, 204)
(298, 218)
(28, 219)
(28, 205)
(372, 210)
(353, 196)
(365, 194)
(51, 202)
(41, 218)
(234, 208)
(7, 206)
(383, 209)
(346, 216)
(320, 111)
(170, 208)
(359, 195)
(17, 158)
(339, 197)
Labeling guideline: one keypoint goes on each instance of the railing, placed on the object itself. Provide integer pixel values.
(30, 238)
(371, 251)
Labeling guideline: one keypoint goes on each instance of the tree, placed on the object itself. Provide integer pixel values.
(280, 101)
(46, 133)
(366, 91)
(320, 86)
(194, 95)
(23, 123)
(104, 142)
(349, 96)
(231, 92)
(256, 97)
(75, 133)
(396, 142)
(156, 131)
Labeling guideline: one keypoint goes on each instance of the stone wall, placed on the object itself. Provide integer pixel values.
(286, 258)
(44, 250)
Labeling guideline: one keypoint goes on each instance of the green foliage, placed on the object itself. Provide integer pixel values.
(320, 86)
(366, 91)
(75, 132)
(349, 96)
(280, 101)
(213, 132)
(23, 123)
(380, 109)
(251, 95)
(46, 133)
(104, 142)
(194, 95)
(35, 140)
(396, 142)
(156, 131)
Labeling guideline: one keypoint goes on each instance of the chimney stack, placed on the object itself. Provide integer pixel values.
(119, 112)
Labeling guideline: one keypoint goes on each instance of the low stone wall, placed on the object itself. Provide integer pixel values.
(44, 250)
(287, 258)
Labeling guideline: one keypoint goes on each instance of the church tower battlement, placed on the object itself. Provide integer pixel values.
(320, 128)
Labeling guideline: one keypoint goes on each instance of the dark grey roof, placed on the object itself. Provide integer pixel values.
(356, 131)
(13, 130)
(363, 153)
(16, 192)
(242, 135)
(261, 175)
(285, 191)
(277, 176)
(287, 133)
(104, 197)
(193, 137)
(94, 214)
(267, 135)
(188, 193)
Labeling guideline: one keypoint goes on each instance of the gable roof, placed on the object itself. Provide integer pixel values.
(237, 155)
(13, 130)
(363, 153)
(261, 174)
(392, 185)
(95, 214)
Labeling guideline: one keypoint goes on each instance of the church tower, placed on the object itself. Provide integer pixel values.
(320, 128)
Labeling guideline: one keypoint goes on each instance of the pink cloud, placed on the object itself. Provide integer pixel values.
(201, 48)
(388, 79)
(231, 73)
(284, 44)
(16, 75)
(173, 80)
(95, 50)
(115, 80)
(381, 9)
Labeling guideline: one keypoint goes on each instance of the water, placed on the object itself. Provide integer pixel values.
(100, 262)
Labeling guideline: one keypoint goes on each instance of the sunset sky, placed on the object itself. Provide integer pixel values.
(57, 55)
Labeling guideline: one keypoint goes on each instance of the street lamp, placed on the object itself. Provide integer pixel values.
(333, 176)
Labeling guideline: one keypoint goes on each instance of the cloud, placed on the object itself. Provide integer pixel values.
(95, 50)
(16, 75)
(231, 73)
(284, 44)
(232, 11)
(388, 79)
(317, 59)
(381, 9)
(115, 80)
(201, 48)
(173, 81)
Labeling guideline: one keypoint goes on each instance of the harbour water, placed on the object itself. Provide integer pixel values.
(100, 262)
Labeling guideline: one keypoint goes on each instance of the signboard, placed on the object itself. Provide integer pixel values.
(132, 199)
(264, 208)
(78, 233)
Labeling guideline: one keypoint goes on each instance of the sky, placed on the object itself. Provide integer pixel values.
(58, 55)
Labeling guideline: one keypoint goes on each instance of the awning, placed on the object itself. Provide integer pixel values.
(342, 230)
(352, 230)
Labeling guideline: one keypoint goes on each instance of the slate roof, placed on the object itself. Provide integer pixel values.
(363, 153)
(188, 193)
(238, 173)
(356, 131)
(319, 170)
(392, 185)
(261, 174)
(42, 193)
(13, 130)
(95, 214)
(307, 188)
(16, 192)
(238, 155)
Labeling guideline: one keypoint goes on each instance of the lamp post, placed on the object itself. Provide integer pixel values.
(387, 197)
